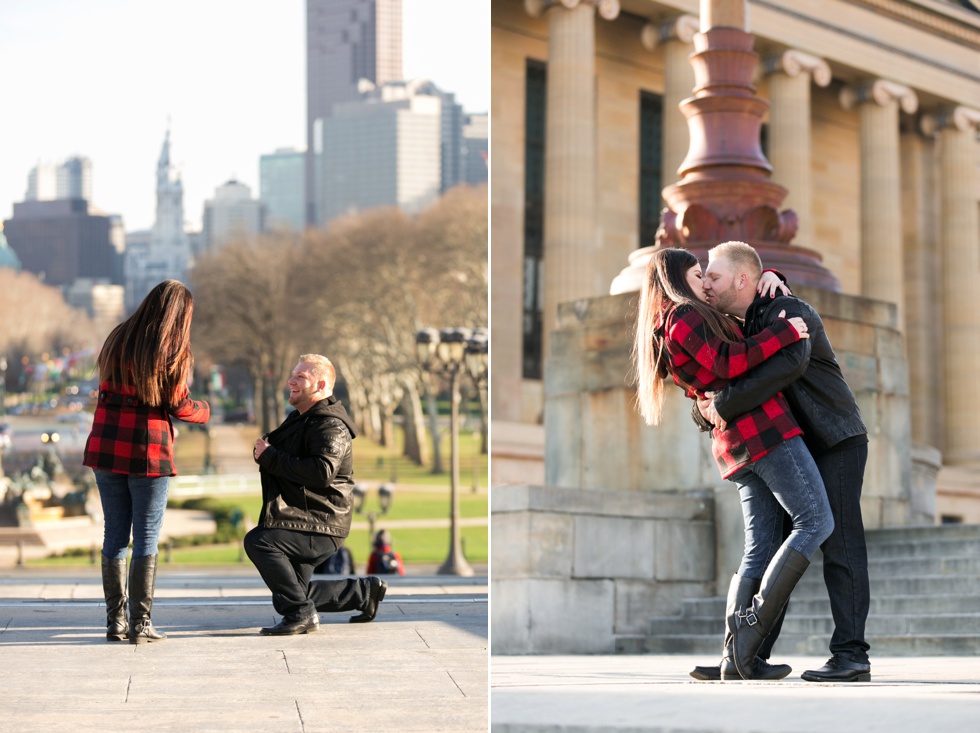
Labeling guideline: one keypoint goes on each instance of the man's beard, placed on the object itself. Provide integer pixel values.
(722, 302)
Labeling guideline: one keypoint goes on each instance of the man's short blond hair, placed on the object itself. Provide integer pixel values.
(322, 369)
(743, 257)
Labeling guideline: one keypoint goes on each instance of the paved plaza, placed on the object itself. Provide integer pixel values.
(420, 666)
(654, 694)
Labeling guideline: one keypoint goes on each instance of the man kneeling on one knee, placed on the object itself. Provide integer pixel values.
(306, 466)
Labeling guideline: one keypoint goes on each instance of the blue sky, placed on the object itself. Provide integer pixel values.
(101, 78)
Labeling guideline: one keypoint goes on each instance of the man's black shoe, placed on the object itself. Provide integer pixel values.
(762, 671)
(376, 592)
(304, 625)
(706, 674)
(840, 669)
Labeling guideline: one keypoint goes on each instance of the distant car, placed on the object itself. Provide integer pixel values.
(50, 436)
(80, 418)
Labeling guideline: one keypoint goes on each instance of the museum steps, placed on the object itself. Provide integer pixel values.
(925, 600)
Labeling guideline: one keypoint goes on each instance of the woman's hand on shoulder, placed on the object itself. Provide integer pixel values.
(797, 323)
(769, 283)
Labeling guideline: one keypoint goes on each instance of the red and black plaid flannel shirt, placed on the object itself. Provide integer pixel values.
(701, 362)
(133, 438)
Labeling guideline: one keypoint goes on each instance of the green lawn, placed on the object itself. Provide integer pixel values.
(408, 504)
(417, 547)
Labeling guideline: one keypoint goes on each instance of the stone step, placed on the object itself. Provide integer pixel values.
(925, 587)
(925, 547)
(817, 646)
(909, 586)
(947, 603)
(823, 624)
(911, 534)
(925, 565)
(925, 598)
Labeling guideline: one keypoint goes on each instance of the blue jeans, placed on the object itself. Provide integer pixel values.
(134, 503)
(784, 480)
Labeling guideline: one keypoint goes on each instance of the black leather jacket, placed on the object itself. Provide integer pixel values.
(806, 372)
(307, 472)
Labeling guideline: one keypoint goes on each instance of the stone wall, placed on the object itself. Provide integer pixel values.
(575, 569)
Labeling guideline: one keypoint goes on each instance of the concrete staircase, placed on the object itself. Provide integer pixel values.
(925, 600)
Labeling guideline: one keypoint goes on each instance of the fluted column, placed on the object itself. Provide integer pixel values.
(570, 236)
(959, 234)
(790, 75)
(676, 37)
(882, 271)
(923, 308)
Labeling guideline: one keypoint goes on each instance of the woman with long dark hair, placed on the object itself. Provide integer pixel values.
(144, 368)
(678, 335)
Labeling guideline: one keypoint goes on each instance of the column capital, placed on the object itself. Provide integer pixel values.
(679, 28)
(608, 9)
(793, 63)
(880, 92)
(959, 118)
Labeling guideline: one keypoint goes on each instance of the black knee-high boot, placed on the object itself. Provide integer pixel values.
(142, 578)
(114, 589)
(740, 594)
(750, 627)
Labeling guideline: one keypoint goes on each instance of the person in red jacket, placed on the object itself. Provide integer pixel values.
(385, 560)
(144, 368)
(761, 451)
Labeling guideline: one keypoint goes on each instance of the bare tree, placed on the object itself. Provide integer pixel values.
(247, 312)
(357, 292)
(451, 243)
(37, 321)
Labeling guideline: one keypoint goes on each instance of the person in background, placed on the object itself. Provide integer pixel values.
(144, 368)
(385, 560)
(340, 563)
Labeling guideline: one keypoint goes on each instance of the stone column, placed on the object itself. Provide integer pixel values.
(959, 233)
(923, 309)
(675, 36)
(790, 74)
(570, 235)
(882, 273)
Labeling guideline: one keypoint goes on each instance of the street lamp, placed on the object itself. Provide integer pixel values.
(443, 353)
(3, 385)
(478, 367)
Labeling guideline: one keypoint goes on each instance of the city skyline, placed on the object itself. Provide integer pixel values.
(111, 92)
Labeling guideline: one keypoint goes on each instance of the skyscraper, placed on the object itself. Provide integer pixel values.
(383, 150)
(231, 214)
(346, 41)
(65, 239)
(281, 188)
(476, 138)
(69, 179)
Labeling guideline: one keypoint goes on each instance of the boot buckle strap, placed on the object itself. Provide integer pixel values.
(749, 617)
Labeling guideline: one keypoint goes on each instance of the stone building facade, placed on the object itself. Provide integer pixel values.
(873, 114)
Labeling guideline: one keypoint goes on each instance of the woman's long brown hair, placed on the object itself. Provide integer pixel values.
(665, 288)
(151, 350)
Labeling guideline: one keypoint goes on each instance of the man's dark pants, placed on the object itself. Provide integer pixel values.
(286, 558)
(845, 554)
